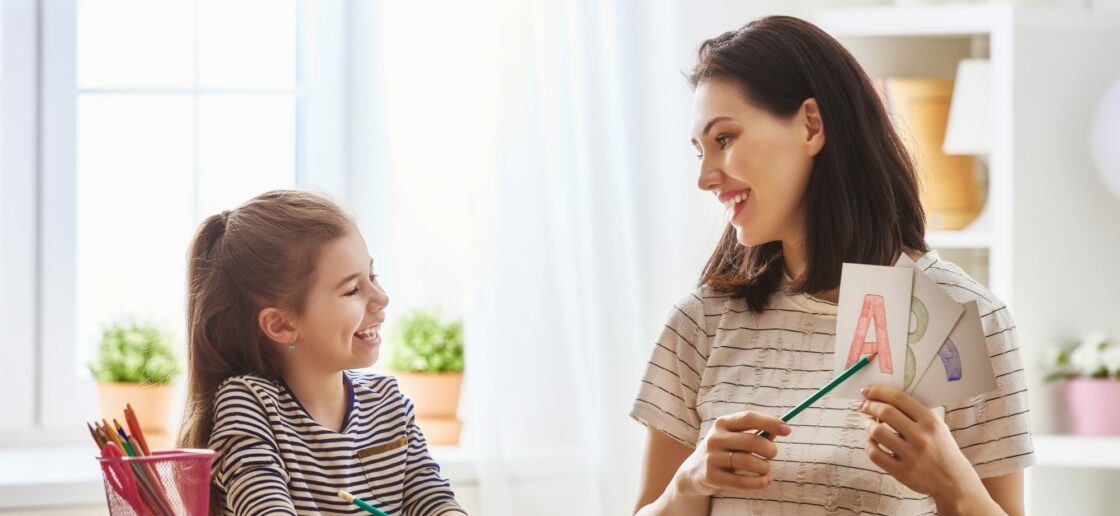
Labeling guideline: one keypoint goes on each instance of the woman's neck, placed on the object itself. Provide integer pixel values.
(324, 395)
(793, 254)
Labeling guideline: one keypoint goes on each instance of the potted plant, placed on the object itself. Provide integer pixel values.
(1091, 371)
(136, 364)
(426, 356)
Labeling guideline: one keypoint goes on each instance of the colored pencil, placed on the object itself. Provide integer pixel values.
(823, 390)
(342, 493)
(134, 427)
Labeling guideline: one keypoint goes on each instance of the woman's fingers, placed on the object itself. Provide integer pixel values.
(725, 480)
(884, 460)
(890, 415)
(883, 435)
(744, 442)
(906, 404)
(748, 421)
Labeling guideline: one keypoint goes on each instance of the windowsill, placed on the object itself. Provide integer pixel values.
(68, 475)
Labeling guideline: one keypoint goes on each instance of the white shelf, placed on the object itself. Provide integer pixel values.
(1077, 451)
(932, 20)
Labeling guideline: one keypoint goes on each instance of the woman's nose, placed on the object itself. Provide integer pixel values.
(709, 177)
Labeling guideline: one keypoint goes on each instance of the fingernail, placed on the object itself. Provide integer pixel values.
(864, 390)
(785, 429)
(861, 405)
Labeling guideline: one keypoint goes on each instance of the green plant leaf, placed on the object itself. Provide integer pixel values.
(132, 352)
(423, 342)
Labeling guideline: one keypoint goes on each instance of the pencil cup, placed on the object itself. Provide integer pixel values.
(173, 482)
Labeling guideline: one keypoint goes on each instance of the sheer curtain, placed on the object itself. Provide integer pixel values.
(559, 339)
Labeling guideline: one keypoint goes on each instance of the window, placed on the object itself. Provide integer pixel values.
(157, 114)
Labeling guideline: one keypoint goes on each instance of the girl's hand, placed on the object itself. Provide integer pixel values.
(914, 446)
(731, 456)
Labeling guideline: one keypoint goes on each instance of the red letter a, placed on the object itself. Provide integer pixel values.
(873, 306)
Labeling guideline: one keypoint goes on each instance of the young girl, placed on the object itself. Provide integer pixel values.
(283, 302)
(794, 141)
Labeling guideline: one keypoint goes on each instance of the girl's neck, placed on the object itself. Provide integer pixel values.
(323, 395)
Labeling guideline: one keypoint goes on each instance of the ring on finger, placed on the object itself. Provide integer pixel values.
(730, 455)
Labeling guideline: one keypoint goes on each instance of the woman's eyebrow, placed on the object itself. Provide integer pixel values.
(708, 127)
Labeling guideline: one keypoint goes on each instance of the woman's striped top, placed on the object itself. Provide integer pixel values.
(715, 358)
(275, 459)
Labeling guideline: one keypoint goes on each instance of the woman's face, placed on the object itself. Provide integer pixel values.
(340, 328)
(756, 164)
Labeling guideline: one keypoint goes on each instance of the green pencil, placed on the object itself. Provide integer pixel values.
(822, 391)
(342, 493)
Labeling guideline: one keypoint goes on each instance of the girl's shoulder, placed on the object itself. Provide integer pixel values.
(248, 387)
(366, 383)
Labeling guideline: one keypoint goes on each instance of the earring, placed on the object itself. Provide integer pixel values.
(292, 345)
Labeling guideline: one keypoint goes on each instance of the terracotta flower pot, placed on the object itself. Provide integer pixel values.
(152, 403)
(1091, 402)
(436, 398)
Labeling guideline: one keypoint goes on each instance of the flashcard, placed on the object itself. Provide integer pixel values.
(963, 368)
(933, 314)
(872, 317)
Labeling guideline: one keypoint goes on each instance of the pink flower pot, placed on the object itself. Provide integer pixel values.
(1094, 406)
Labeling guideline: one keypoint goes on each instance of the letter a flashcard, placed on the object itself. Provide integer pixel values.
(872, 318)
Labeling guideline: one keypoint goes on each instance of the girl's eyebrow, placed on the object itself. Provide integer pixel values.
(354, 276)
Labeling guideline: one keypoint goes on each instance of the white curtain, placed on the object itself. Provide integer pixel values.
(559, 340)
(540, 182)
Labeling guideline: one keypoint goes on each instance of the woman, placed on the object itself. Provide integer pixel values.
(795, 143)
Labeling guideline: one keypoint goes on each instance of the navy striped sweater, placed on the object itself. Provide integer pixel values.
(275, 459)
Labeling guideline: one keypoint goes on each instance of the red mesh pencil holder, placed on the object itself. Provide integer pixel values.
(173, 482)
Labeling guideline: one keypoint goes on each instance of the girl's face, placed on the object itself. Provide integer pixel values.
(756, 164)
(340, 326)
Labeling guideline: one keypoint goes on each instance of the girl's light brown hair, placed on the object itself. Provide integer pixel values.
(258, 255)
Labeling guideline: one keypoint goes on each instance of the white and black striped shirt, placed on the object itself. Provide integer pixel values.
(275, 459)
(715, 357)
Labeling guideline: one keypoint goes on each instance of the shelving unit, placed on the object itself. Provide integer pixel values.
(1046, 218)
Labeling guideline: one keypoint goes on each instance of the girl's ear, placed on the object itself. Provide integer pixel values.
(277, 325)
(814, 126)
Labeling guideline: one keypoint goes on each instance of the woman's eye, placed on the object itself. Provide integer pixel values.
(372, 278)
(722, 140)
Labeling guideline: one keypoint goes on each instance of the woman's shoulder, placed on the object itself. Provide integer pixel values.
(958, 284)
(701, 300)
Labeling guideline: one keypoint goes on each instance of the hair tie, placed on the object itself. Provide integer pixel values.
(225, 216)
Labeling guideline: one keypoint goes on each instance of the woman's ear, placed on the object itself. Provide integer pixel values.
(277, 325)
(814, 126)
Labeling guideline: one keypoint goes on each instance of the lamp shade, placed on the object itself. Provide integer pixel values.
(1104, 140)
(970, 114)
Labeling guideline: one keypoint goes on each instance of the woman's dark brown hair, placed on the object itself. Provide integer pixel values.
(258, 255)
(861, 200)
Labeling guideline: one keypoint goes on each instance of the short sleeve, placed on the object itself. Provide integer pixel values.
(667, 396)
(425, 492)
(993, 430)
(249, 471)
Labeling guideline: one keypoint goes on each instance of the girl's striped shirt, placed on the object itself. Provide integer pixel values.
(275, 459)
(715, 358)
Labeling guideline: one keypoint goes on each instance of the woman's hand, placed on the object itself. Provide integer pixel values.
(731, 456)
(913, 445)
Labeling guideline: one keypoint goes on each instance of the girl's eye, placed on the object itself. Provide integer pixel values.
(352, 291)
